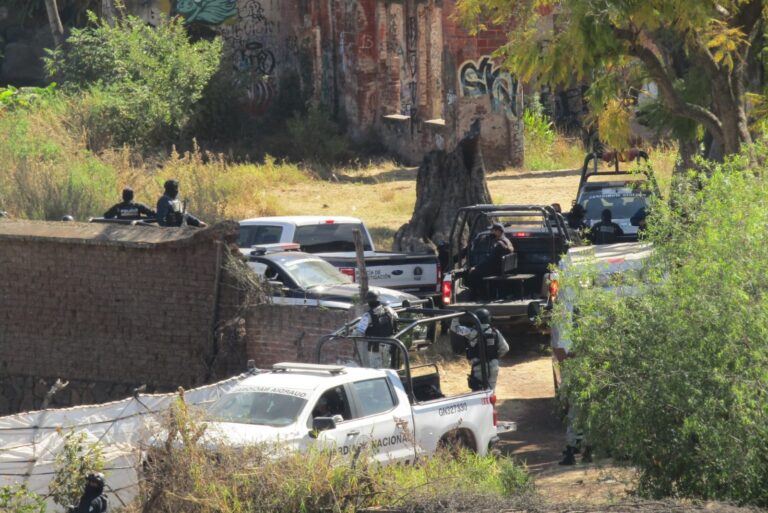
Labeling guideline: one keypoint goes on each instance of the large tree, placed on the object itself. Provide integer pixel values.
(699, 53)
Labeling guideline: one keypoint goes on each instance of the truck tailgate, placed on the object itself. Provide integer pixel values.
(472, 411)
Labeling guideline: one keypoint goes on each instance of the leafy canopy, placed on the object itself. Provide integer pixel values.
(681, 45)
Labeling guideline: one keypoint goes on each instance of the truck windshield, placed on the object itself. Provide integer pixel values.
(263, 408)
(259, 234)
(330, 237)
(622, 205)
(313, 272)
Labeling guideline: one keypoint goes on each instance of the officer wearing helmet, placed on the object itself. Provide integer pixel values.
(128, 209)
(496, 346)
(170, 211)
(379, 321)
(93, 499)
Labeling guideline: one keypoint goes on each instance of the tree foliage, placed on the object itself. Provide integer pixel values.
(139, 84)
(671, 373)
(697, 52)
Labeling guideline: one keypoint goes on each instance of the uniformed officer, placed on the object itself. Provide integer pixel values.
(606, 231)
(492, 264)
(170, 211)
(379, 321)
(496, 346)
(128, 209)
(93, 499)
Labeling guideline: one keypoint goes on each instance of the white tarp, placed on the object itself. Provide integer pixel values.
(30, 441)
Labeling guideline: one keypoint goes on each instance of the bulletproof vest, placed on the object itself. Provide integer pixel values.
(382, 324)
(491, 347)
(176, 215)
(128, 211)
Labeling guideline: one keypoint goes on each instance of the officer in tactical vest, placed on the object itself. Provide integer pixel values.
(170, 211)
(93, 499)
(379, 321)
(495, 347)
(128, 209)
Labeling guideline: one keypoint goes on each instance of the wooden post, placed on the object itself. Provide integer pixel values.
(361, 272)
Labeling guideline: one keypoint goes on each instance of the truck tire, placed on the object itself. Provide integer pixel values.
(457, 441)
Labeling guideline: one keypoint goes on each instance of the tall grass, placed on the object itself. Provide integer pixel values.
(193, 473)
(48, 171)
(545, 149)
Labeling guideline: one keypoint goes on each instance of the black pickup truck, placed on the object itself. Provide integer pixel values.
(539, 238)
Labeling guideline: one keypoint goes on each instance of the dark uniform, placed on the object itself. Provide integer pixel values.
(496, 346)
(93, 499)
(170, 211)
(128, 209)
(606, 231)
(491, 266)
(378, 321)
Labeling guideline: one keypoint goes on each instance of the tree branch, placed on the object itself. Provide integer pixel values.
(658, 72)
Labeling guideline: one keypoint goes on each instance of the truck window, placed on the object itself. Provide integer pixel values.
(374, 396)
(261, 408)
(332, 402)
(330, 238)
(260, 234)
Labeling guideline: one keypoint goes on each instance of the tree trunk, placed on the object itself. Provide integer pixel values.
(57, 29)
(445, 182)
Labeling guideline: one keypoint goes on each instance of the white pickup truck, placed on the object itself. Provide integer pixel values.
(390, 411)
(330, 238)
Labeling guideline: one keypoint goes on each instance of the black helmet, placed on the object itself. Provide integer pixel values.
(67, 218)
(371, 297)
(483, 315)
(96, 477)
(171, 188)
(127, 194)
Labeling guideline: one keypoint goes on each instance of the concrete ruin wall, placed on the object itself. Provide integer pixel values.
(403, 71)
(109, 308)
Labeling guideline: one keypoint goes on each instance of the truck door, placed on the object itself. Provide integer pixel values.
(384, 420)
(335, 403)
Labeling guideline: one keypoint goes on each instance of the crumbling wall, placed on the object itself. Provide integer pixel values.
(111, 308)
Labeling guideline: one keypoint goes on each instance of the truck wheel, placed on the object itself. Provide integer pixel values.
(455, 442)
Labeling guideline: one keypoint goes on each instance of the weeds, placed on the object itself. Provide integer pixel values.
(78, 457)
(18, 499)
(189, 471)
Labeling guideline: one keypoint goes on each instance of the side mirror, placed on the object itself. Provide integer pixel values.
(320, 424)
(277, 287)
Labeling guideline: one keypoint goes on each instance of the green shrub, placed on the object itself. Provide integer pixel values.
(673, 379)
(315, 137)
(138, 84)
(18, 499)
(77, 458)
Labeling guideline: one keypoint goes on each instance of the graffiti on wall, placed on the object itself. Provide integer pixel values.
(251, 42)
(482, 78)
(212, 12)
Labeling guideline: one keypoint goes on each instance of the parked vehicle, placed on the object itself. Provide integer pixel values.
(623, 192)
(539, 238)
(330, 238)
(609, 261)
(398, 412)
(301, 279)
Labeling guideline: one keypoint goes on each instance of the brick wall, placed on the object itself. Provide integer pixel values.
(110, 308)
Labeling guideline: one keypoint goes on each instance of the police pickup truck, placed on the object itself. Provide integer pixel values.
(396, 411)
(330, 238)
(515, 296)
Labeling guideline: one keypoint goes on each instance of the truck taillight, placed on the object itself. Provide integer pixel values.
(495, 413)
(446, 292)
(554, 287)
(348, 271)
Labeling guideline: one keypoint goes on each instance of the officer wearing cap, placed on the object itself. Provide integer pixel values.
(491, 266)
(128, 209)
(93, 499)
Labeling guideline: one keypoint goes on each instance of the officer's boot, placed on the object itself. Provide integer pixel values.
(586, 457)
(569, 458)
